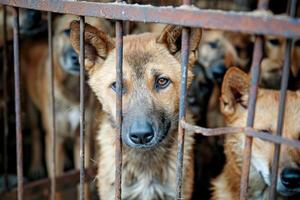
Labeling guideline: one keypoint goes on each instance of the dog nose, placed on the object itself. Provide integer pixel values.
(218, 69)
(34, 16)
(141, 132)
(290, 178)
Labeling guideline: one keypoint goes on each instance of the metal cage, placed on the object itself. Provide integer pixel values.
(189, 17)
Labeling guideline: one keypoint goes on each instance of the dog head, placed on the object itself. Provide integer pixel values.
(66, 56)
(271, 72)
(234, 104)
(274, 47)
(151, 79)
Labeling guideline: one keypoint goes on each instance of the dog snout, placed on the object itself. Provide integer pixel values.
(34, 15)
(141, 132)
(218, 70)
(290, 178)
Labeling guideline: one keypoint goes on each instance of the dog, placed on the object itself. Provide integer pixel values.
(31, 23)
(66, 95)
(234, 105)
(150, 106)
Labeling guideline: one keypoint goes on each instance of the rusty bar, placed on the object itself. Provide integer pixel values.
(235, 130)
(255, 72)
(182, 106)
(282, 101)
(119, 81)
(42, 188)
(82, 109)
(51, 105)
(18, 103)
(5, 98)
(189, 16)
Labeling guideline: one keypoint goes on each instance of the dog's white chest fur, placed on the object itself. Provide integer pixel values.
(67, 120)
(148, 188)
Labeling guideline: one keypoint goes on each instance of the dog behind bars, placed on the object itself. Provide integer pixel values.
(151, 84)
(234, 104)
(66, 95)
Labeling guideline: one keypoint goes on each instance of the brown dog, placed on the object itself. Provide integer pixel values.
(66, 89)
(234, 107)
(151, 65)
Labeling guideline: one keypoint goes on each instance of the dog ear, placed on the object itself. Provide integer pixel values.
(235, 90)
(97, 44)
(171, 37)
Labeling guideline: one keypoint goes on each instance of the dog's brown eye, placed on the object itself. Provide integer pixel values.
(162, 82)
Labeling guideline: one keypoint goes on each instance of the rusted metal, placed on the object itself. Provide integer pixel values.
(189, 16)
(182, 106)
(51, 106)
(17, 80)
(119, 82)
(255, 73)
(82, 109)
(42, 188)
(5, 98)
(235, 130)
(282, 101)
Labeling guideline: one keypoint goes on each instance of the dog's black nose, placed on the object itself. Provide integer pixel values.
(141, 132)
(290, 178)
(34, 16)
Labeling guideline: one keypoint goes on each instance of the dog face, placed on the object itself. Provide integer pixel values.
(151, 80)
(216, 54)
(271, 72)
(234, 107)
(274, 47)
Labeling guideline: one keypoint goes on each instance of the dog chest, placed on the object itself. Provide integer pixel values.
(67, 120)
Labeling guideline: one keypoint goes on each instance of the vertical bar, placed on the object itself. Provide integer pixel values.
(5, 111)
(282, 101)
(182, 106)
(255, 73)
(82, 109)
(18, 102)
(119, 72)
(52, 107)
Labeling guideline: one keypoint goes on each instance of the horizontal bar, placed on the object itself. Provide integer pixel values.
(234, 130)
(189, 16)
(41, 188)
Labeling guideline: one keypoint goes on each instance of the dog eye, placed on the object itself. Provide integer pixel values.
(266, 131)
(162, 82)
(114, 87)
(213, 45)
(67, 32)
(274, 42)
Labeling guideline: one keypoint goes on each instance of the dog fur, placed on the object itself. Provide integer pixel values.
(234, 107)
(66, 94)
(148, 171)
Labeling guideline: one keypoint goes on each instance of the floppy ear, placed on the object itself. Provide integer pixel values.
(171, 37)
(97, 44)
(235, 90)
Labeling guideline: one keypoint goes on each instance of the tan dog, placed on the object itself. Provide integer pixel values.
(234, 107)
(66, 82)
(151, 65)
